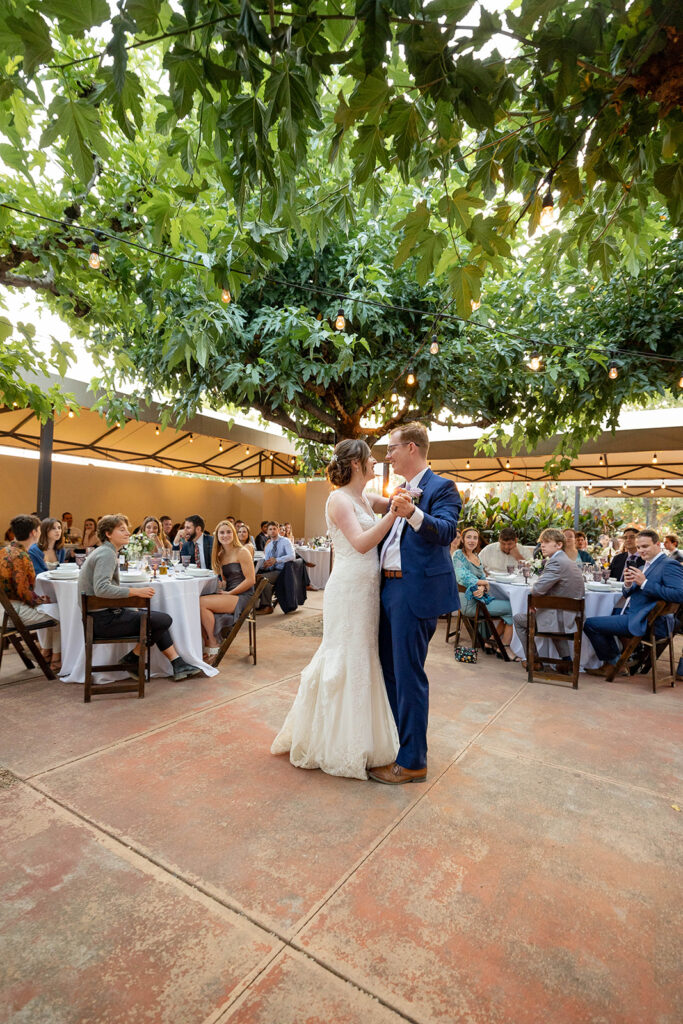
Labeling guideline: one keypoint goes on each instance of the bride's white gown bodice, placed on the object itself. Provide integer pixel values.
(341, 720)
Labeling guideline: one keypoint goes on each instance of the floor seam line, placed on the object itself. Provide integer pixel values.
(515, 755)
(152, 731)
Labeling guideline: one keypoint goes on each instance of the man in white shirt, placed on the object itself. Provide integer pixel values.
(498, 556)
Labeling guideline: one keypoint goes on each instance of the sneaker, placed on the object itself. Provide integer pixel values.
(181, 670)
(131, 663)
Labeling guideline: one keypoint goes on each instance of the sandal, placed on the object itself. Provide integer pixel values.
(210, 654)
(56, 663)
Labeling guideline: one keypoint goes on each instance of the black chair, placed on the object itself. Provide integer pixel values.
(481, 619)
(93, 604)
(232, 622)
(566, 604)
(15, 631)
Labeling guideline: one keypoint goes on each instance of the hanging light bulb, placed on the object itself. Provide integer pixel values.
(680, 383)
(318, 315)
(220, 446)
(246, 452)
(71, 414)
(271, 456)
(602, 460)
(394, 396)
(434, 347)
(467, 464)
(507, 463)
(652, 490)
(475, 304)
(547, 210)
(94, 257)
(663, 486)
(191, 438)
(340, 322)
(654, 459)
(612, 370)
(226, 296)
(534, 361)
(410, 379)
(157, 430)
(619, 491)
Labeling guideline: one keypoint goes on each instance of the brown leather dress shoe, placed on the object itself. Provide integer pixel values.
(396, 775)
(602, 671)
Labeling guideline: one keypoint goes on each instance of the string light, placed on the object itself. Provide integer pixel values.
(191, 438)
(340, 322)
(654, 459)
(220, 446)
(94, 257)
(293, 460)
(652, 490)
(534, 361)
(680, 383)
(467, 464)
(602, 460)
(246, 452)
(226, 297)
(663, 486)
(71, 414)
(271, 456)
(394, 397)
(507, 463)
(475, 304)
(547, 210)
(434, 347)
(410, 379)
(612, 370)
(318, 315)
(157, 430)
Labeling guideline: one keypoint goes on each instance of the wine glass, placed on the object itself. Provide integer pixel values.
(79, 559)
(526, 572)
(511, 570)
(185, 559)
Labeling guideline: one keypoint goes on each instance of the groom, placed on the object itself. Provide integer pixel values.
(418, 585)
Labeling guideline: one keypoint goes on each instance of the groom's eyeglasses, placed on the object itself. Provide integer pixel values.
(400, 444)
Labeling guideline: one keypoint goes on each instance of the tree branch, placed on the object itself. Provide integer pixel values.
(285, 421)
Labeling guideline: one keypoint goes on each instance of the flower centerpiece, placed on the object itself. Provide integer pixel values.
(138, 545)
(537, 566)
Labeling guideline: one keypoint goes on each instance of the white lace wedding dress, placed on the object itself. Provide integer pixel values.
(341, 720)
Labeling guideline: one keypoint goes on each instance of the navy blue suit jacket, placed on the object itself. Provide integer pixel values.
(664, 583)
(188, 548)
(426, 564)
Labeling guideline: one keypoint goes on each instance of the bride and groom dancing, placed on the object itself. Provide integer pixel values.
(363, 700)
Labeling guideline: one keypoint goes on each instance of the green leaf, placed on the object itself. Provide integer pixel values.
(116, 48)
(35, 39)
(251, 27)
(465, 285)
(79, 126)
(185, 69)
(367, 151)
(75, 18)
(145, 14)
(669, 181)
(375, 31)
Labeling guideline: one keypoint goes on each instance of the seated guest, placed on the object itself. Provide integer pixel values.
(177, 536)
(151, 527)
(197, 544)
(234, 565)
(49, 551)
(286, 531)
(561, 577)
(99, 577)
(470, 574)
(245, 539)
(277, 552)
(262, 537)
(167, 526)
(71, 535)
(582, 547)
(18, 577)
(572, 549)
(506, 551)
(659, 579)
(9, 535)
(627, 556)
(671, 547)
(89, 539)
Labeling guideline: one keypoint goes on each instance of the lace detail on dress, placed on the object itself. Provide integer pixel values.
(341, 720)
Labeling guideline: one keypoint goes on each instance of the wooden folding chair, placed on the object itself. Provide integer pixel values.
(14, 630)
(247, 612)
(94, 604)
(482, 617)
(565, 604)
(656, 645)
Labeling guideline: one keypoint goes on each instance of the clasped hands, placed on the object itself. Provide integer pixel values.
(402, 504)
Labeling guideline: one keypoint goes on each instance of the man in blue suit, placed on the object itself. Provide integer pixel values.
(197, 543)
(660, 579)
(418, 585)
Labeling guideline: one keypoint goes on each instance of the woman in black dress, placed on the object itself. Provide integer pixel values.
(234, 566)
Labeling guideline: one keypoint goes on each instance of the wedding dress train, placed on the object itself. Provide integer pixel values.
(341, 720)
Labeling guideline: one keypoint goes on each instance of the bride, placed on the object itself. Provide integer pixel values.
(341, 720)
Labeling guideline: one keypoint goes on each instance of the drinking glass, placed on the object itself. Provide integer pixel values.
(526, 573)
(511, 570)
(79, 559)
(185, 559)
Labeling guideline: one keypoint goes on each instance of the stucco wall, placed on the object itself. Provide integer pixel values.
(93, 490)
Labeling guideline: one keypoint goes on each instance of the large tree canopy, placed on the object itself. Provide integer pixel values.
(263, 144)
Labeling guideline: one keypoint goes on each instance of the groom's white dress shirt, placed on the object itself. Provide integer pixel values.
(391, 552)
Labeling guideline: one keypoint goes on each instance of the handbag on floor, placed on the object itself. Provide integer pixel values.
(468, 655)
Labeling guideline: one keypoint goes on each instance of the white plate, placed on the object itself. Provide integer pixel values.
(200, 572)
(604, 587)
(501, 577)
(133, 577)
(61, 574)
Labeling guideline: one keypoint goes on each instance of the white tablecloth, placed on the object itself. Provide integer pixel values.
(176, 596)
(321, 567)
(597, 603)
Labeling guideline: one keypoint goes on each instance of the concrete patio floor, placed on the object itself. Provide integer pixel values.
(158, 865)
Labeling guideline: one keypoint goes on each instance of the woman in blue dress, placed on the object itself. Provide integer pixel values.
(470, 574)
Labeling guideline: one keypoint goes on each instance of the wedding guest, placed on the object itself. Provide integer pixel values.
(286, 531)
(469, 573)
(48, 551)
(71, 535)
(561, 577)
(572, 549)
(456, 543)
(89, 534)
(99, 577)
(671, 547)
(234, 565)
(659, 579)
(18, 578)
(9, 535)
(177, 536)
(277, 552)
(197, 544)
(245, 539)
(167, 527)
(262, 537)
(498, 556)
(627, 556)
(151, 527)
(607, 551)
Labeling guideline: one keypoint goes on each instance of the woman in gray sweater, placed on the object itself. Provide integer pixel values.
(99, 577)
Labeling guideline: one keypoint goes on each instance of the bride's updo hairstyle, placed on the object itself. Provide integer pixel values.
(340, 467)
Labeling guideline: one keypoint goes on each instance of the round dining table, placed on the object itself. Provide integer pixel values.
(600, 602)
(319, 564)
(176, 594)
